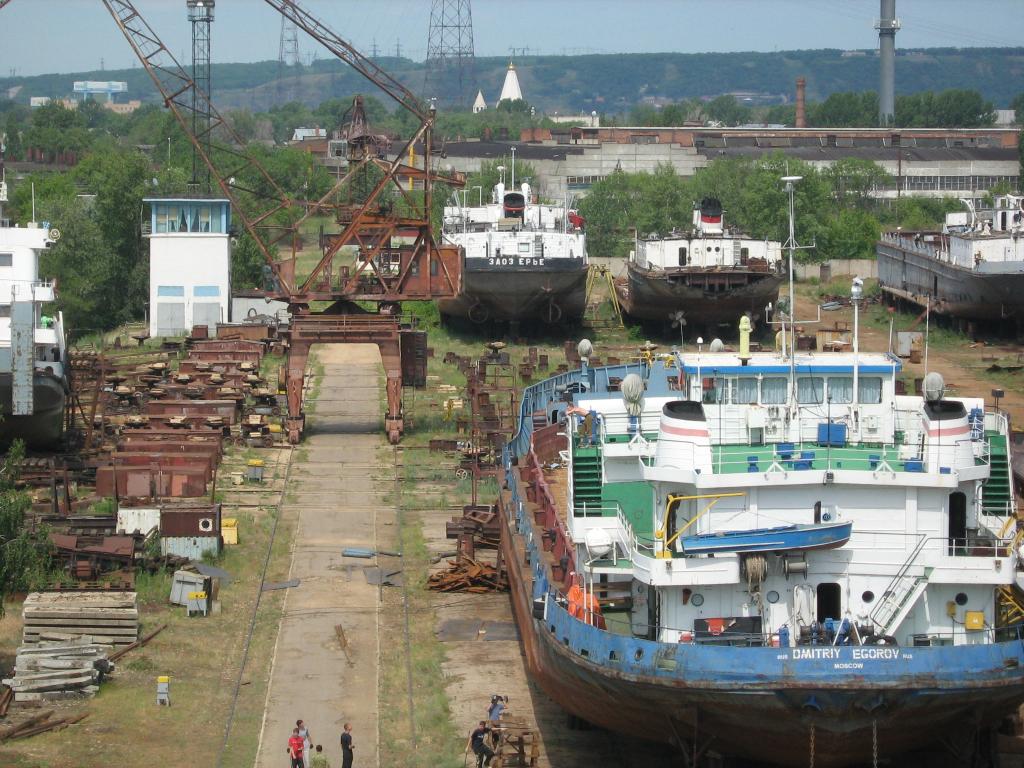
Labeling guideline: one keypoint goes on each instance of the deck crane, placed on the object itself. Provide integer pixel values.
(396, 256)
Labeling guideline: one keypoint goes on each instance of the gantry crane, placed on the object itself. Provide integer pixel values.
(396, 256)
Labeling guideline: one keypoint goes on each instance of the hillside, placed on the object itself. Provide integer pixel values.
(606, 82)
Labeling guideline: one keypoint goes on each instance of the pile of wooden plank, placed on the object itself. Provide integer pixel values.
(55, 671)
(468, 575)
(107, 618)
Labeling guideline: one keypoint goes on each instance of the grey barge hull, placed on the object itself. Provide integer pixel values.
(913, 275)
(708, 296)
(550, 294)
(43, 429)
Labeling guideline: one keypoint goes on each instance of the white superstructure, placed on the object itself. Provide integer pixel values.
(513, 229)
(742, 445)
(20, 249)
(708, 245)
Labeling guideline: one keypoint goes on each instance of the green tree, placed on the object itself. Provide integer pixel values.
(854, 179)
(850, 234)
(1017, 105)
(727, 111)
(247, 263)
(845, 110)
(24, 557)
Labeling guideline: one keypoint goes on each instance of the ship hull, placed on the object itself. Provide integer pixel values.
(954, 290)
(708, 296)
(43, 429)
(552, 293)
(759, 704)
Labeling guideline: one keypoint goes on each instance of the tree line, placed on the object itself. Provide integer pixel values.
(952, 108)
(834, 206)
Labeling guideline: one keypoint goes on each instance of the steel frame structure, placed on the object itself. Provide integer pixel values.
(424, 270)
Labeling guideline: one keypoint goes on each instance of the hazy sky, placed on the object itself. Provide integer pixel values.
(38, 36)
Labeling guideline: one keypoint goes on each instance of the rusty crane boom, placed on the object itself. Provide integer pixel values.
(392, 255)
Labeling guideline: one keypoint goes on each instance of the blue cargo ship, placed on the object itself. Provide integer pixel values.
(885, 622)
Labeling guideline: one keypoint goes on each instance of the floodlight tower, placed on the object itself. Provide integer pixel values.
(450, 51)
(200, 13)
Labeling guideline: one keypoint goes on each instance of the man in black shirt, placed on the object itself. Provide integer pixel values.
(346, 746)
(478, 743)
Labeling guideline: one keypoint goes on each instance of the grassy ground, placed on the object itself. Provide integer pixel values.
(202, 657)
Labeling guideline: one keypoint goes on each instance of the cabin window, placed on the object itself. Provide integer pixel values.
(682, 256)
(744, 255)
(840, 389)
(715, 391)
(524, 247)
(810, 389)
(869, 390)
(773, 391)
(746, 390)
(6, 259)
(5, 310)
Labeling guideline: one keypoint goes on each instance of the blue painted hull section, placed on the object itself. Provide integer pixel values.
(787, 538)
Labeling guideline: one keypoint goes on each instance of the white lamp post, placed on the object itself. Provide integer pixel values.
(856, 293)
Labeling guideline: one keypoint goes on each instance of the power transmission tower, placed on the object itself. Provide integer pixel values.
(200, 14)
(451, 63)
(374, 50)
(288, 58)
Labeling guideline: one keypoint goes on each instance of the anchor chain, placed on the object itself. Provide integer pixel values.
(874, 744)
(812, 747)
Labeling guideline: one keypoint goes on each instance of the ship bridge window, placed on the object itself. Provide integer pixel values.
(810, 390)
(716, 391)
(840, 389)
(6, 259)
(773, 390)
(745, 391)
(869, 390)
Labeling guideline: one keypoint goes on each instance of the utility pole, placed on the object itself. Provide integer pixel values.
(451, 61)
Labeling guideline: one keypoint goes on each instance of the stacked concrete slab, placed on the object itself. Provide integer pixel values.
(105, 618)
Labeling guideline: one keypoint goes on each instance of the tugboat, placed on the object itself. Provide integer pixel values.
(769, 556)
(709, 273)
(33, 384)
(972, 270)
(523, 260)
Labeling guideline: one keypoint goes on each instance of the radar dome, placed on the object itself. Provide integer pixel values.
(632, 388)
(585, 349)
(934, 387)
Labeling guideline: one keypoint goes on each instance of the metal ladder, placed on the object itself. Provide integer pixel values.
(901, 593)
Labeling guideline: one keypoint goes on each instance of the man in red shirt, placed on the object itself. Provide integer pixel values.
(295, 747)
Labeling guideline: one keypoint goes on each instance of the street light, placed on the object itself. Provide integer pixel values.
(856, 293)
(791, 244)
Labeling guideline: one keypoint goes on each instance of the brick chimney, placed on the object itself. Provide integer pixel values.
(801, 112)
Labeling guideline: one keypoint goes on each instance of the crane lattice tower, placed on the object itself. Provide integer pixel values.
(451, 63)
(200, 14)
